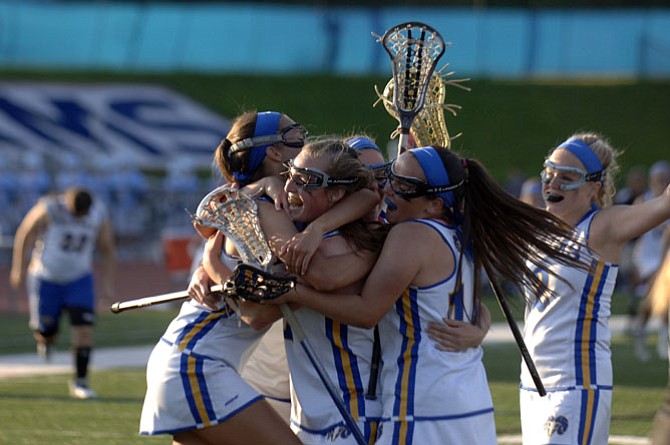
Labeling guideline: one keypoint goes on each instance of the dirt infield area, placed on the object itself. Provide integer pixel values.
(132, 280)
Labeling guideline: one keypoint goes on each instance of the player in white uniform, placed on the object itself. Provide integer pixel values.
(323, 175)
(63, 232)
(566, 328)
(425, 273)
(194, 388)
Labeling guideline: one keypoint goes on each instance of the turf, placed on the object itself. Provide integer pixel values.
(37, 410)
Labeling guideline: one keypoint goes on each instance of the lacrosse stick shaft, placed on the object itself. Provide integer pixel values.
(518, 337)
(299, 335)
(121, 306)
(403, 142)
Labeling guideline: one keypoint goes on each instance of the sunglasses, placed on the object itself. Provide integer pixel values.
(312, 178)
(409, 187)
(567, 178)
(293, 136)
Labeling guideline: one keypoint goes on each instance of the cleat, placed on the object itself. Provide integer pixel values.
(79, 390)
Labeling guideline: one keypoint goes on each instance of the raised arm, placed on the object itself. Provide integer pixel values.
(616, 225)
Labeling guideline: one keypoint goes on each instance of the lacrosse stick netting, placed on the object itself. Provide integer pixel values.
(236, 215)
(414, 49)
(429, 126)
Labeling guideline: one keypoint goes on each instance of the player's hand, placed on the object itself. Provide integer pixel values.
(198, 288)
(298, 251)
(17, 278)
(453, 335)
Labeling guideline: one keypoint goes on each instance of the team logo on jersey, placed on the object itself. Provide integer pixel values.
(338, 432)
(558, 425)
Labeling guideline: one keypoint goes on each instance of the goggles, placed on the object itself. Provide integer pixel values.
(312, 178)
(567, 178)
(408, 187)
(380, 172)
(293, 135)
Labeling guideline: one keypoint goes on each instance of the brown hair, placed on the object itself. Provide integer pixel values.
(343, 163)
(78, 200)
(243, 127)
(503, 233)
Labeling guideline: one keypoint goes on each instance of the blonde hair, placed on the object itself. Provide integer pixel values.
(608, 157)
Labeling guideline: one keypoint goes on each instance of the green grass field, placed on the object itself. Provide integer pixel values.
(36, 410)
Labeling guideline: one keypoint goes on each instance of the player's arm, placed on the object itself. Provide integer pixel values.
(298, 251)
(25, 237)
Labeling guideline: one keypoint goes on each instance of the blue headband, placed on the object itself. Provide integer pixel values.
(362, 143)
(584, 153)
(267, 123)
(436, 174)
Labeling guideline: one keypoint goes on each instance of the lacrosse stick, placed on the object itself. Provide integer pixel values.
(255, 283)
(429, 126)
(518, 337)
(121, 306)
(236, 215)
(414, 49)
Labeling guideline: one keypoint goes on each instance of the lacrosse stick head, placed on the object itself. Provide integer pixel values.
(415, 49)
(257, 285)
(235, 214)
(429, 126)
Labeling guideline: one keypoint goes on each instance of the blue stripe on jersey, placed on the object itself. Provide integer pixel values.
(346, 364)
(410, 329)
(588, 415)
(197, 329)
(585, 334)
(195, 389)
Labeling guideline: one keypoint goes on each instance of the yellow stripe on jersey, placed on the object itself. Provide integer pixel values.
(588, 416)
(588, 320)
(347, 369)
(406, 357)
(195, 391)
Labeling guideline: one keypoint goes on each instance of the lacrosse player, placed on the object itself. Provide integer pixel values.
(441, 236)
(323, 175)
(194, 388)
(566, 329)
(63, 232)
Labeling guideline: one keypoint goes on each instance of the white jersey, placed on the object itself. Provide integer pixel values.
(64, 253)
(345, 352)
(424, 388)
(568, 334)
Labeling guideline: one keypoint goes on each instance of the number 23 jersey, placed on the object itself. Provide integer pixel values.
(65, 251)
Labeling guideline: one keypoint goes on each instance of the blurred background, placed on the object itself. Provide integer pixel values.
(130, 98)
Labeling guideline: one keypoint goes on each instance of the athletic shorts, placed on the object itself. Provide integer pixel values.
(48, 299)
(575, 417)
(477, 429)
(189, 391)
